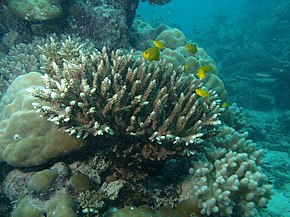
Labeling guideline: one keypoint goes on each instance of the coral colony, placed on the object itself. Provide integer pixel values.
(146, 136)
(107, 132)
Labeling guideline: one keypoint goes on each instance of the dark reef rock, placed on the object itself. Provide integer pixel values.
(157, 2)
(103, 22)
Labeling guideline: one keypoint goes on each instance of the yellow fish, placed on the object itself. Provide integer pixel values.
(200, 73)
(158, 44)
(202, 92)
(152, 53)
(206, 68)
(186, 66)
(224, 105)
(192, 48)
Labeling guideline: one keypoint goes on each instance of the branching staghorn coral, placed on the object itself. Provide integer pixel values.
(123, 95)
(25, 58)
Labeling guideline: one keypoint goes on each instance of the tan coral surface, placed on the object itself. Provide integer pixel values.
(25, 138)
(36, 9)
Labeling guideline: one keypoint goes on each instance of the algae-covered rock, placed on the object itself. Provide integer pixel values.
(36, 9)
(62, 205)
(26, 139)
(81, 182)
(26, 208)
(42, 181)
(186, 208)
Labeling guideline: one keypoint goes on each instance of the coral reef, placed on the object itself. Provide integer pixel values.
(24, 58)
(25, 138)
(41, 193)
(270, 129)
(142, 33)
(20, 60)
(150, 139)
(5, 203)
(10, 27)
(36, 9)
(93, 201)
(223, 179)
(124, 96)
(176, 53)
(106, 22)
(233, 172)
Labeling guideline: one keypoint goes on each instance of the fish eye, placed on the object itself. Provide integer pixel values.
(16, 136)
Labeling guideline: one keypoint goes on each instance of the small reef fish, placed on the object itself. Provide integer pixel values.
(263, 75)
(202, 92)
(224, 105)
(206, 68)
(200, 73)
(192, 48)
(159, 44)
(186, 66)
(151, 53)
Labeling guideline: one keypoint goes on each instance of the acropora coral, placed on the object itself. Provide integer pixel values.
(125, 96)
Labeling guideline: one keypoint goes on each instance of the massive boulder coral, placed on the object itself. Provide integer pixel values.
(177, 53)
(42, 193)
(36, 10)
(25, 138)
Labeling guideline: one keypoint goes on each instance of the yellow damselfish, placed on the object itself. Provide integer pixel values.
(192, 48)
(152, 53)
(186, 66)
(200, 73)
(158, 44)
(202, 92)
(206, 68)
(224, 105)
